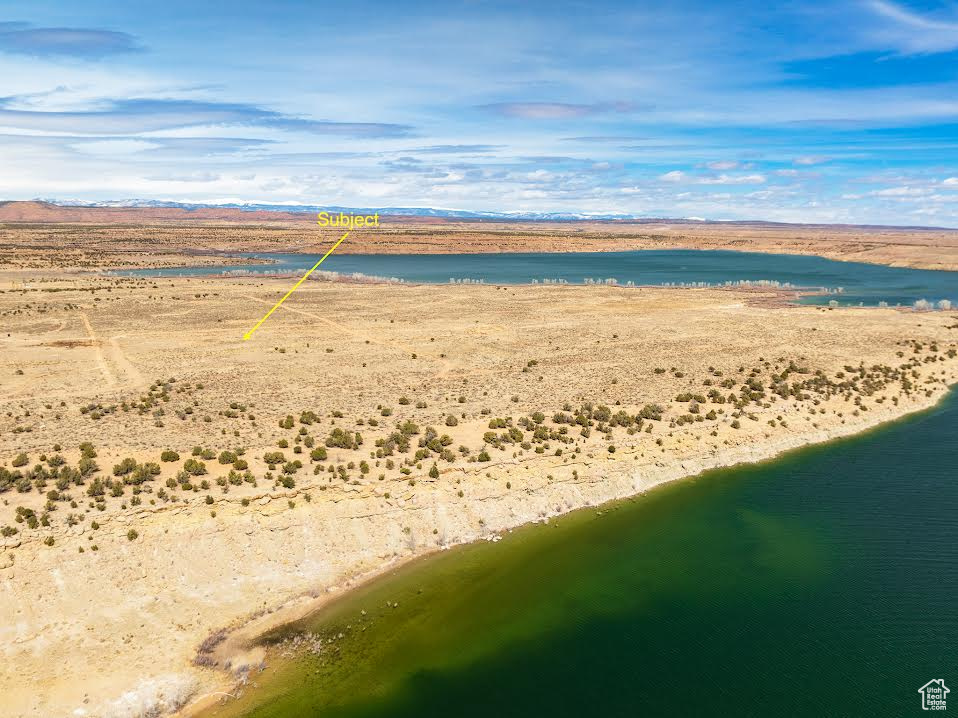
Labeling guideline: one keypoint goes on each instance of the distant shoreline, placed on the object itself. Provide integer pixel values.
(170, 233)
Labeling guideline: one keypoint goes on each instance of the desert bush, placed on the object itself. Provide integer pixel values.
(169, 455)
(652, 412)
(87, 466)
(308, 417)
(124, 467)
(272, 458)
(344, 439)
(194, 467)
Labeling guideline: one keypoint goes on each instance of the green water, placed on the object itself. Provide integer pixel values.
(820, 584)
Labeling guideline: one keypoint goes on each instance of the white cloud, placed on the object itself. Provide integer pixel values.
(911, 33)
(723, 165)
(904, 191)
(554, 110)
(115, 147)
(679, 176)
(811, 160)
(733, 179)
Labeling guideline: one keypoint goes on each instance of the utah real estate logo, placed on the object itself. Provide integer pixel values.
(934, 695)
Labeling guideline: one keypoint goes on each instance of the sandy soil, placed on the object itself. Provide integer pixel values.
(113, 582)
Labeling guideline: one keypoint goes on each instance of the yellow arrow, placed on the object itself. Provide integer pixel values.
(295, 286)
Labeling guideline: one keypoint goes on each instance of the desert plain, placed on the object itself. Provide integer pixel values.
(168, 491)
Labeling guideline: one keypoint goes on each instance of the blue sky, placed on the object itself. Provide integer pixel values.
(801, 112)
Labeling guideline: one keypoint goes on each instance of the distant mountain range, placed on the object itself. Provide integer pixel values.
(138, 210)
(312, 209)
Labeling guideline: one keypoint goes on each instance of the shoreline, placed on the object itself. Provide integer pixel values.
(92, 242)
(177, 258)
(244, 642)
(252, 258)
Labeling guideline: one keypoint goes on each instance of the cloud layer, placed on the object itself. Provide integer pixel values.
(844, 110)
(88, 43)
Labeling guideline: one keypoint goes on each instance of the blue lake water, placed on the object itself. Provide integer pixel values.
(848, 282)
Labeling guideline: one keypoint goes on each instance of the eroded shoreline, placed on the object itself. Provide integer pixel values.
(242, 645)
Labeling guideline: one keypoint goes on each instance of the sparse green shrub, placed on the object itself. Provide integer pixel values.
(124, 467)
(344, 439)
(194, 467)
(272, 458)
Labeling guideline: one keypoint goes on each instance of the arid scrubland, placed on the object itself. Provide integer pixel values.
(164, 483)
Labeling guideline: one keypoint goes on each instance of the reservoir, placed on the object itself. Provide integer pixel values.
(820, 583)
(847, 282)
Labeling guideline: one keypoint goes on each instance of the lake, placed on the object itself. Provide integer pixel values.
(820, 583)
(860, 283)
